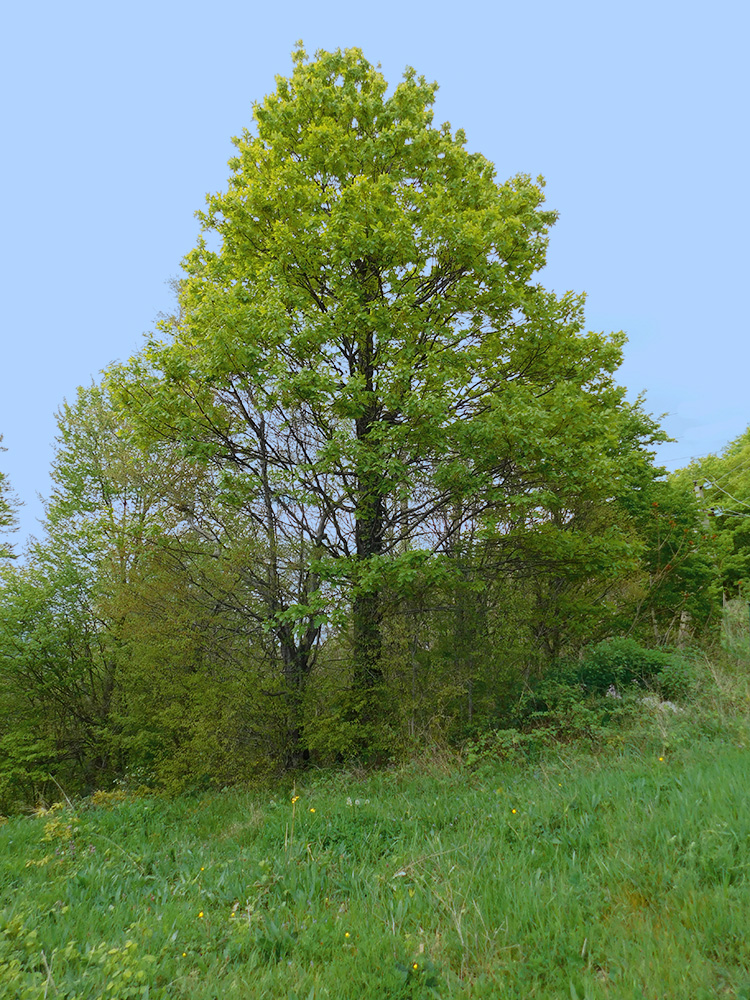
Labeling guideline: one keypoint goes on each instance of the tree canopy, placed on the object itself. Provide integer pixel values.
(8, 508)
(363, 357)
(722, 485)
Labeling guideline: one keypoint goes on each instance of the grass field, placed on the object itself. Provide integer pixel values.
(622, 874)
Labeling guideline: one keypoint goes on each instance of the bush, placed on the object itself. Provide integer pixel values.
(676, 681)
(507, 745)
(570, 702)
(619, 663)
(25, 765)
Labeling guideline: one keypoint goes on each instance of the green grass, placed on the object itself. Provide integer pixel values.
(620, 876)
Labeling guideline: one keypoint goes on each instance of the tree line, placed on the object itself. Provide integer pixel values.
(369, 480)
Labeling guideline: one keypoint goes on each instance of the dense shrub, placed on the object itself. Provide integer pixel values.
(620, 663)
(676, 681)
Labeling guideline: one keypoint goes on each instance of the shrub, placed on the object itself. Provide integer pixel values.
(620, 663)
(25, 765)
(676, 681)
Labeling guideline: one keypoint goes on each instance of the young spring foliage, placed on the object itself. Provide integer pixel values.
(722, 483)
(8, 508)
(363, 356)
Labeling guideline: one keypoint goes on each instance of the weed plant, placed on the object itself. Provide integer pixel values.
(542, 871)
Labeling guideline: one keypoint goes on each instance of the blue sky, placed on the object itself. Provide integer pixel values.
(117, 120)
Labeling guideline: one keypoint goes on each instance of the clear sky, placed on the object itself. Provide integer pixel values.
(117, 119)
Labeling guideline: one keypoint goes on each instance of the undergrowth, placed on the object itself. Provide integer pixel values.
(608, 866)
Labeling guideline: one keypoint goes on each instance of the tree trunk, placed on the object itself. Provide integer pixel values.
(297, 656)
(367, 605)
(367, 611)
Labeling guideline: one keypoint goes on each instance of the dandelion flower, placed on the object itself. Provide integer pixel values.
(200, 914)
(513, 810)
(184, 954)
(415, 966)
(203, 869)
(346, 934)
(312, 810)
(661, 758)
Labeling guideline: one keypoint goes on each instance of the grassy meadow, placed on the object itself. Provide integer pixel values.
(613, 868)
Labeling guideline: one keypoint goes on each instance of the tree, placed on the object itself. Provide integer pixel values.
(671, 595)
(59, 639)
(128, 641)
(55, 688)
(362, 355)
(8, 508)
(722, 486)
